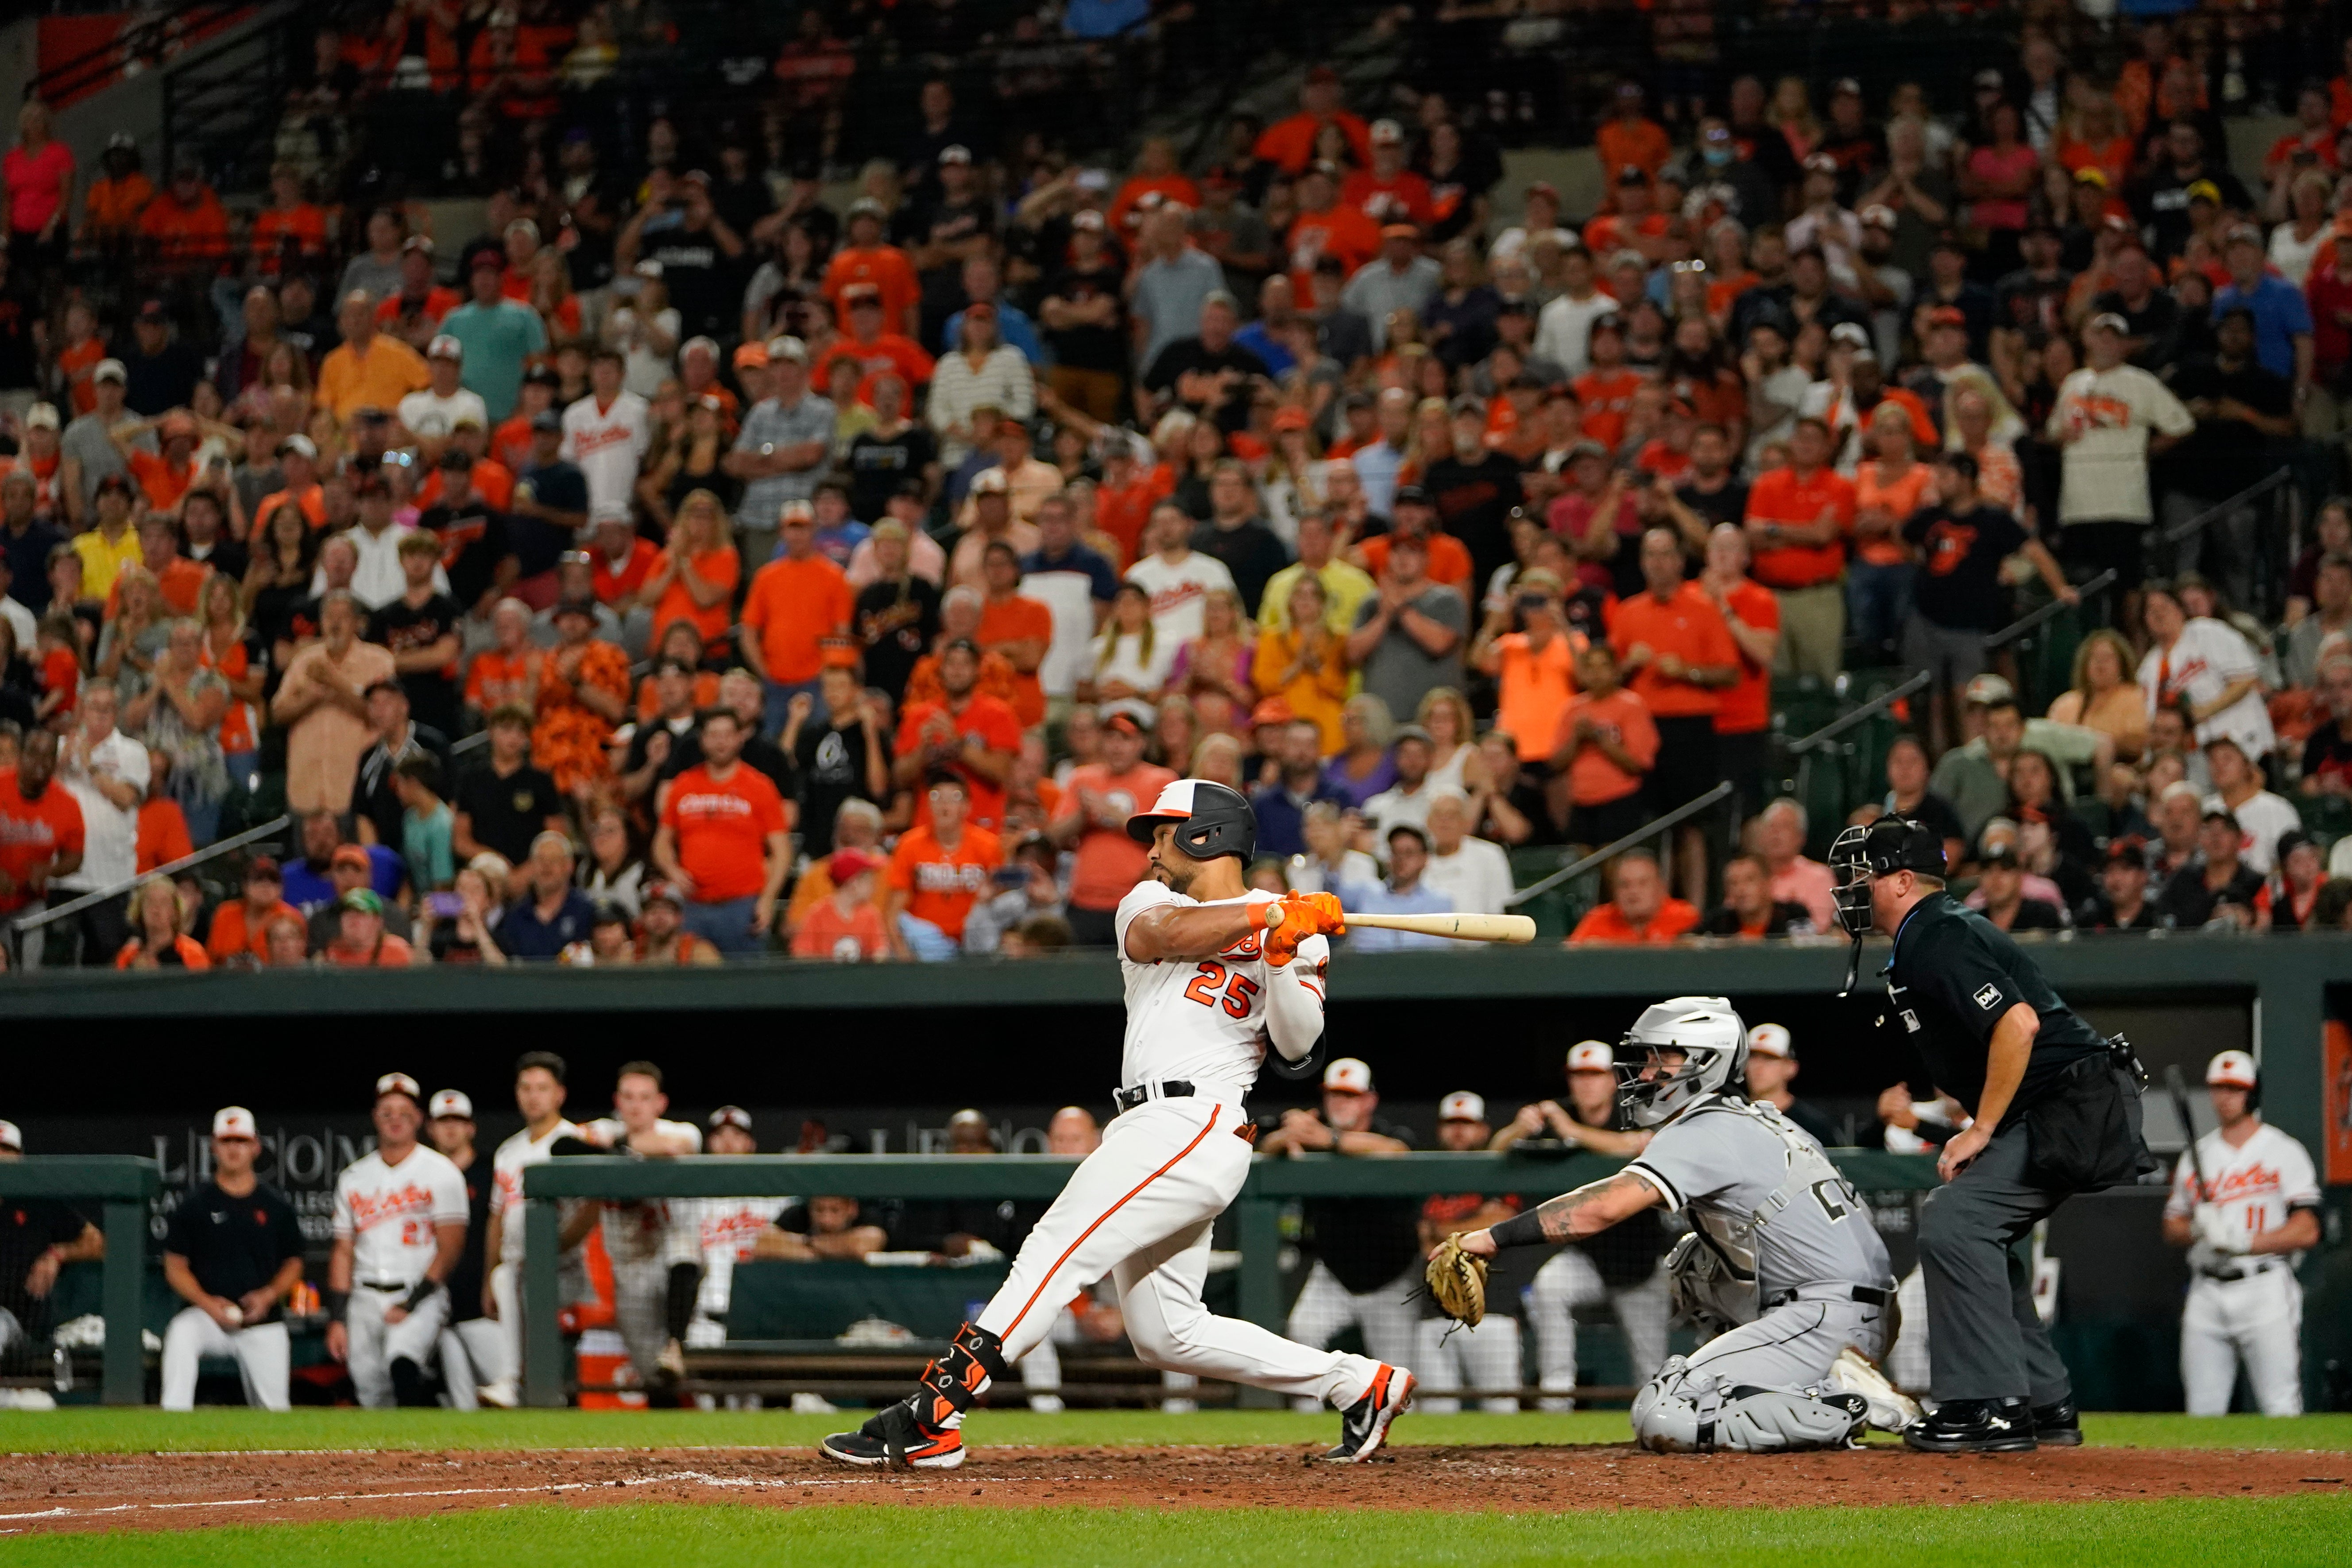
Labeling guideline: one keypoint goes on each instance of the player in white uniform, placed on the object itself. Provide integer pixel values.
(654, 1245)
(2244, 1202)
(539, 1095)
(400, 1225)
(1214, 973)
(725, 1231)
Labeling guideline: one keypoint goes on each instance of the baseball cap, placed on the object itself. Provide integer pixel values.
(1272, 710)
(1987, 690)
(845, 863)
(363, 899)
(1878, 216)
(1348, 1075)
(1387, 133)
(547, 419)
(450, 1103)
(1946, 316)
(1462, 1106)
(351, 855)
(574, 606)
(2232, 1070)
(1124, 719)
(1845, 86)
(1411, 495)
(11, 1137)
(1771, 1039)
(41, 416)
(752, 357)
(2204, 191)
(2093, 175)
(989, 482)
(2129, 849)
(300, 445)
(734, 1117)
(418, 244)
(444, 347)
(399, 1083)
(787, 347)
(867, 207)
(109, 371)
(2109, 321)
(2223, 815)
(796, 512)
(660, 893)
(234, 1121)
(1853, 332)
(955, 152)
(263, 868)
(1591, 1056)
(863, 294)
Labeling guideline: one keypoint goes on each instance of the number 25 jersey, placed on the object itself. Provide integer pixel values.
(1202, 1020)
(388, 1213)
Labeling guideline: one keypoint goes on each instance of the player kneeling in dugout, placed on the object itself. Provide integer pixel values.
(1782, 1269)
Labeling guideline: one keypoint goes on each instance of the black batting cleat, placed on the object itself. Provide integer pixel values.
(898, 1439)
(2057, 1426)
(1364, 1425)
(1974, 1427)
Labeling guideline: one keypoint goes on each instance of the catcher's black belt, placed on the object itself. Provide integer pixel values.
(1129, 1099)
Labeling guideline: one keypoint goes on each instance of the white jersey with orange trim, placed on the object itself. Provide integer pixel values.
(2257, 1184)
(607, 444)
(726, 1227)
(507, 1166)
(388, 1213)
(1206, 1020)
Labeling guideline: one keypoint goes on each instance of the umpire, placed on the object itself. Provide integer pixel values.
(2056, 1111)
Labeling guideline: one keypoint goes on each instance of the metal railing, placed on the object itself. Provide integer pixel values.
(17, 927)
(1844, 722)
(1610, 851)
(2219, 510)
(125, 1185)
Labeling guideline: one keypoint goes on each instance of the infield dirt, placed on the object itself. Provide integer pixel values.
(42, 1493)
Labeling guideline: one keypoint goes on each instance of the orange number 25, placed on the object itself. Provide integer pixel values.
(1238, 992)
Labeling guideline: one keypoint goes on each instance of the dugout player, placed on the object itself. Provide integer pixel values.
(472, 1349)
(38, 1236)
(1782, 1261)
(654, 1244)
(231, 1251)
(539, 1095)
(1214, 974)
(1453, 1355)
(2245, 1201)
(400, 1226)
(2057, 1112)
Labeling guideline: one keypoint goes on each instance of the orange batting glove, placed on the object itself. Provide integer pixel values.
(1290, 920)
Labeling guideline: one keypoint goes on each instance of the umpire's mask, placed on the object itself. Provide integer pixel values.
(1862, 855)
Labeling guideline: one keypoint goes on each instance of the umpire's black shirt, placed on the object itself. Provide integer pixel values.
(233, 1244)
(1954, 976)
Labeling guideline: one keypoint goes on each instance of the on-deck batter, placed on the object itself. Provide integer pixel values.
(2253, 1208)
(400, 1225)
(1214, 973)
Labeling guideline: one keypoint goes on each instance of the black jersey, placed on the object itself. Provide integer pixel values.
(233, 1246)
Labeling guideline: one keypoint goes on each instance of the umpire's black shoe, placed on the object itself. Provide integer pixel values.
(2057, 1426)
(1974, 1427)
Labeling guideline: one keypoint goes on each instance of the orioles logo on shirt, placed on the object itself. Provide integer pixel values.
(372, 1209)
(1947, 545)
(945, 876)
(2254, 1181)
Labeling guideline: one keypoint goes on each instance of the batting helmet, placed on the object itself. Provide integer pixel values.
(1214, 820)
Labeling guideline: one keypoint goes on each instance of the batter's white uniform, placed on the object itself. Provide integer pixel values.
(388, 1213)
(506, 1165)
(2245, 1308)
(1139, 1208)
(644, 1240)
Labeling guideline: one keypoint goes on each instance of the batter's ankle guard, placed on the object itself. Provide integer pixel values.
(952, 1384)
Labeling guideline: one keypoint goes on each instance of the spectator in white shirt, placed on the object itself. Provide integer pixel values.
(106, 772)
(1406, 801)
(378, 580)
(1474, 873)
(606, 433)
(428, 417)
(1176, 576)
(2263, 817)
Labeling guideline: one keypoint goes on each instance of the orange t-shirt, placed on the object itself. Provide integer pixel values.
(312, 504)
(706, 695)
(1780, 496)
(988, 717)
(161, 484)
(720, 566)
(500, 677)
(721, 826)
(1638, 142)
(1674, 918)
(162, 834)
(1289, 143)
(192, 957)
(794, 606)
(1169, 187)
(1747, 707)
(854, 938)
(182, 582)
(303, 223)
(610, 583)
(61, 673)
(1900, 498)
(1688, 625)
(1110, 862)
(31, 831)
(233, 933)
(1122, 513)
(941, 883)
(390, 952)
(1536, 689)
(885, 267)
(1341, 231)
(1592, 778)
(75, 361)
(1449, 559)
(1607, 397)
(1013, 619)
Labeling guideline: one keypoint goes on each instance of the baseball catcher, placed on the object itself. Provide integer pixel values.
(1783, 1267)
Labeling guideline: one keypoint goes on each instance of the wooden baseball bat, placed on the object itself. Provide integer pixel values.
(1464, 928)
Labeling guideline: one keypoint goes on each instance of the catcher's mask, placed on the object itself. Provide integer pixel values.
(1713, 1044)
(1861, 854)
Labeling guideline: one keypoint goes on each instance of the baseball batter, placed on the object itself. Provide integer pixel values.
(654, 1245)
(1214, 973)
(2244, 1202)
(400, 1226)
(539, 1095)
(1782, 1262)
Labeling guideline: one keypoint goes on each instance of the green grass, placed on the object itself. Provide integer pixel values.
(2269, 1531)
(86, 1429)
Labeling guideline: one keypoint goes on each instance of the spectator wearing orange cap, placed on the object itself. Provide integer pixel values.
(1639, 910)
(1097, 800)
(724, 841)
(846, 927)
(936, 873)
(796, 602)
(1289, 143)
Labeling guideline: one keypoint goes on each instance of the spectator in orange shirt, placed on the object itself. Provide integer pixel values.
(694, 578)
(1019, 630)
(178, 581)
(1888, 487)
(157, 942)
(1607, 744)
(162, 833)
(290, 228)
(797, 601)
(1157, 173)
(370, 368)
(1324, 232)
(866, 259)
(1743, 718)
(1638, 910)
(622, 558)
(845, 927)
(1097, 800)
(1672, 643)
(111, 207)
(1606, 390)
(724, 840)
(968, 733)
(1414, 515)
(1289, 143)
(938, 872)
(413, 312)
(241, 926)
(185, 223)
(1388, 191)
(163, 476)
(1798, 519)
(1534, 667)
(872, 346)
(1629, 136)
(361, 941)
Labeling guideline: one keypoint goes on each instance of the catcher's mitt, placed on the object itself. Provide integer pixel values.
(1457, 1282)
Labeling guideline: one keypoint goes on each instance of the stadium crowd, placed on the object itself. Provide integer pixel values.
(686, 564)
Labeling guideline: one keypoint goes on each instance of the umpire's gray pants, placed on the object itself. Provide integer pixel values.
(1985, 1340)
